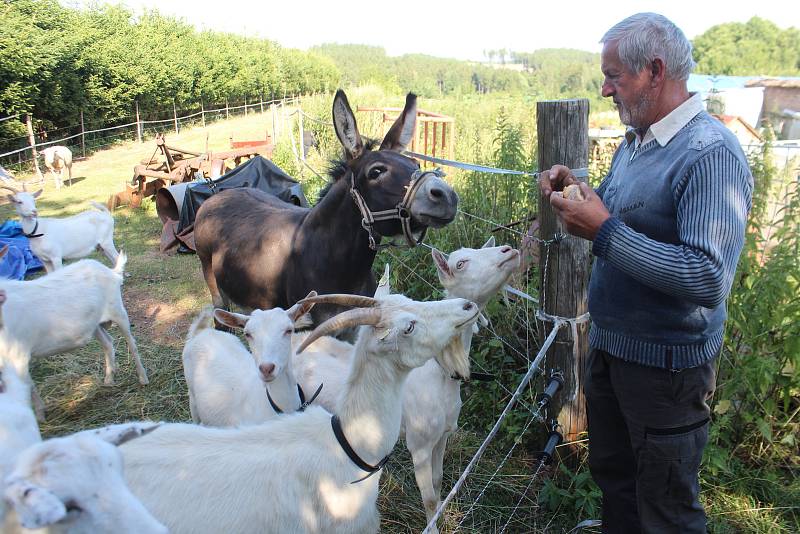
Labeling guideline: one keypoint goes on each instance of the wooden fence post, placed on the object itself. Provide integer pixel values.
(175, 116)
(563, 138)
(202, 112)
(83, 137)
(138, 124)
(32, 141)
(227, 113)
(274, 123)
(245, 105)
(261, 102)
(300, 135)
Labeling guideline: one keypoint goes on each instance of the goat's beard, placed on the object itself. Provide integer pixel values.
(454, 357)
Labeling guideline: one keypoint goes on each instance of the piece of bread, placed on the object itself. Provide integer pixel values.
(573, 192)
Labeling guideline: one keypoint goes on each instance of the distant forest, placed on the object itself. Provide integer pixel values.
(57, 61)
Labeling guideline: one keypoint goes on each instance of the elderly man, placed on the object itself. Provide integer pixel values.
(667, 226)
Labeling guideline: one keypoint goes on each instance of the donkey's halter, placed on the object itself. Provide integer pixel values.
(402, 211)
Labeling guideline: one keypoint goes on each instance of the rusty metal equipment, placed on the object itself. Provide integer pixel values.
(177, 165)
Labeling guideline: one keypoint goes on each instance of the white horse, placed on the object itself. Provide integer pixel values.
(57, 158)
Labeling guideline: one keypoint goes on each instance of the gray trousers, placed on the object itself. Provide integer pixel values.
(647, 430)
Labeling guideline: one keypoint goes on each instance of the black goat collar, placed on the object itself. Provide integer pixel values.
(479, 377)
(303, 403)
(336, 424)
(33, 232)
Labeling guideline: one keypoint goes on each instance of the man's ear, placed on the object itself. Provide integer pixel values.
(657, 71)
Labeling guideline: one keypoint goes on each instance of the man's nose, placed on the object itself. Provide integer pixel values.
(607, 90)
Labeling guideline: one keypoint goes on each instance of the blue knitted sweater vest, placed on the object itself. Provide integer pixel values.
(666, 259)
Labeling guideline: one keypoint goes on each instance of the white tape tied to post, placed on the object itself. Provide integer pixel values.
(573, 324)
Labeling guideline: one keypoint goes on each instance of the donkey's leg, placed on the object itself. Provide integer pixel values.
(211, 281)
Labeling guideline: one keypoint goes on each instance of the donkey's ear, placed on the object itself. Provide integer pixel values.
(344, 122)
(399, 135)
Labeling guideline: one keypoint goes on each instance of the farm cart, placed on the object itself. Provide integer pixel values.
(177, 165)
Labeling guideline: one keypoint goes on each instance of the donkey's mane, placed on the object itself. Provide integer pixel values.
(337, 168)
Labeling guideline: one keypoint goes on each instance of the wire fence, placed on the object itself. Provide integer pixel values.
(16, 153)
(489, 487)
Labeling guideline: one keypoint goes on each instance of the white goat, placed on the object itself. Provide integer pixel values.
(54, 240)
(74, 485)
(432, 397)
(58, 158)
(328, 358)
(18, 430)
(62, 311)
(291, 474)
(226, 382)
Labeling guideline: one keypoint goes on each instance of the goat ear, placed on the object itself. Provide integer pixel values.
(344, 122)
(12, 199)
(36, 507)
(489, 243)
(230, 319)
(122, 433)
(401, 132)
(298, 311)
(36, 194)
(441, 265)
(384, 287)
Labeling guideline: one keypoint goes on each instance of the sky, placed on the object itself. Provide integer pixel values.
(456, 29)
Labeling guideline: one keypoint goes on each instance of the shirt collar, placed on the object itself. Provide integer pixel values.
(665, 129)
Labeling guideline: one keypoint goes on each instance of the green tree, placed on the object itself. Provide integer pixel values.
(757, 47)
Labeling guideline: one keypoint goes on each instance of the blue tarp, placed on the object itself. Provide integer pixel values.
(20, 260)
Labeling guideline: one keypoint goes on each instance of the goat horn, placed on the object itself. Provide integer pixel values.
(344, 320)
(342, 300)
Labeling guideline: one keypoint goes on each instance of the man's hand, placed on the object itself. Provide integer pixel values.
(556, 179)
(582, 218)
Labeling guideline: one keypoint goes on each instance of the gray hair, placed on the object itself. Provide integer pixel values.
(646, 36)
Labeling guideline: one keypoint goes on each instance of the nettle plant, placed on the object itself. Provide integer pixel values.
(756, 403)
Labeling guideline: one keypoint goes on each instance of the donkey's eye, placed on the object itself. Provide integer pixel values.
(375, 172)
(460, 265)
(410, 327)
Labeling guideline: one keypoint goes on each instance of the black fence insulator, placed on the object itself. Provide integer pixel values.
(553, 440)
(555, 383)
